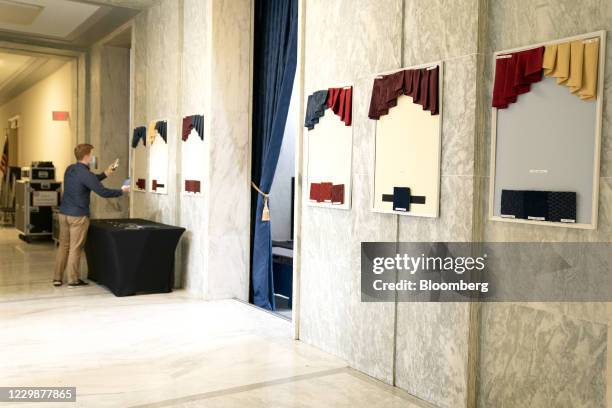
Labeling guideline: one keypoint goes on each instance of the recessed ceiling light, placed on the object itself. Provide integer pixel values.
(12, 12)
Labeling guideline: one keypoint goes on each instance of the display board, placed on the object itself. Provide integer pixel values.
(407, 149)
(545, 150)
(140, 159)
(159, 135)
(193, 154)
(329, 160)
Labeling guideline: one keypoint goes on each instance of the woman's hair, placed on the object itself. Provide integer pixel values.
(82, 150)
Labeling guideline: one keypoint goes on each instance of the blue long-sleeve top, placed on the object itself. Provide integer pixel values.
(79, 182)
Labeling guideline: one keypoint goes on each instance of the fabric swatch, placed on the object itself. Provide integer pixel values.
(155, 185)
(536, 205)
(198, 125)
(421, 84)
(326, 192)
(192, 186)
(187, 127)
(151, 131)
(315, 108)
(561, 206)
(590, 71)
(338, 194)
(401, 199)
(140, 133)
(162, 128)
(575, 64)
(315, 192)
(339, 100)
(514, 74)
(513, 203)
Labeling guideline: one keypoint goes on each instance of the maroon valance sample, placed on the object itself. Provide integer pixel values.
(192, 186)
(514, 74)
(193, 122)
(340, 100)
(187, 127)
(421, 84)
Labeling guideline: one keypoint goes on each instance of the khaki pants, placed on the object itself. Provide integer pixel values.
(72, 236)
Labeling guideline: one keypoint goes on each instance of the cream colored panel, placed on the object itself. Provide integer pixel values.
(158, 162)
(408, 155)
(193, 161)
(330, 147)
(140, 166)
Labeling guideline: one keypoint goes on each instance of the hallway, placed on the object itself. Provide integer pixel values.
(160, 350)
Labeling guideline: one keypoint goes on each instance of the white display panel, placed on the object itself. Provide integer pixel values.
(193, 163)
(549, 140)
(140, 167)
(407, 154)
(330, 150)
(158, 161)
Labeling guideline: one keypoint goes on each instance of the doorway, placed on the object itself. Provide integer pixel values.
(273, 155)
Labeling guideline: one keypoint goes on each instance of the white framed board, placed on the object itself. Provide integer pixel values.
(140, 159)
(407, 153)
(329, 161)
(159, 135)
(193, 155)
(546, 147)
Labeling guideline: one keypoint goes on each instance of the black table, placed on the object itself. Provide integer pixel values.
(133, 255)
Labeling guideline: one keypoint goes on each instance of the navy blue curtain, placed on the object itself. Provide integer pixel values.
(275, 55)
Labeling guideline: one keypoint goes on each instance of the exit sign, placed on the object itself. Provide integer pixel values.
(60, 115)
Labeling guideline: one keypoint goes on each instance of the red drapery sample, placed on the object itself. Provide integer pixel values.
(514, 74)
(340, 101)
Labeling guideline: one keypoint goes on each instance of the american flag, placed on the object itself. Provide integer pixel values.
(4, 160)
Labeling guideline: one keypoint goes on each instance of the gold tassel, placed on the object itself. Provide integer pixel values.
(265, 214)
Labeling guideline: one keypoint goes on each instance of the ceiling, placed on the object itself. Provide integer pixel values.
(19, 71)
(73, 23)
(50, 18)
(10, 65)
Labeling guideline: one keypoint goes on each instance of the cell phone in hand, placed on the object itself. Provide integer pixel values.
(126, 182)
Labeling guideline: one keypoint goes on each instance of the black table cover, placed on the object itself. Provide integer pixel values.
(131, 256)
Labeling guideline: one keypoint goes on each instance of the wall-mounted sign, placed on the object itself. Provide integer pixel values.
(61, 115)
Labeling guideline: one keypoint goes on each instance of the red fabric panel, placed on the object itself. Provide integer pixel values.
(187, 127)
(378, 106)
(528, 69)
(423, 99)
(192, 186)
(326, 192)
(515, 74)
(315, 192)
(340, 101)
(434, 91)
(338, 194)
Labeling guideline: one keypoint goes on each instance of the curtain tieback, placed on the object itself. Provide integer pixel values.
(265, 214)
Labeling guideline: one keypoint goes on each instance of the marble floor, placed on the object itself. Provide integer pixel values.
(160, 350)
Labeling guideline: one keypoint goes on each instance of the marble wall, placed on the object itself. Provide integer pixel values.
(546, 354)
(363, 42)
(110, 122)
(175, 44)
(193, 56)
(422, 348)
